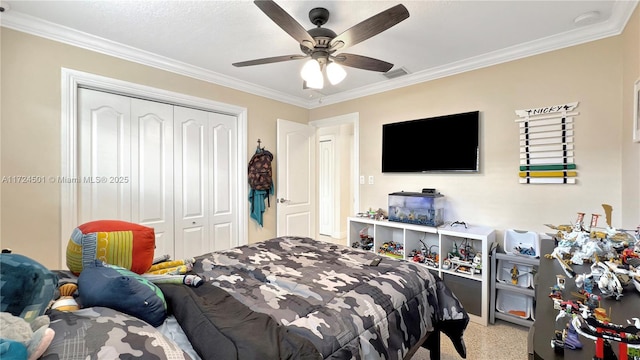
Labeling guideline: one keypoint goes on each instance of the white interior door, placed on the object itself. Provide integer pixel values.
(105, 145)
(223, 181)
(206, 184)
(126, 163)
(295, 179)
(326, 180)
(152, 170)
(191, 140)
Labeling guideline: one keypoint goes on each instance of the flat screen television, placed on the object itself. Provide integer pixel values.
(437, 144)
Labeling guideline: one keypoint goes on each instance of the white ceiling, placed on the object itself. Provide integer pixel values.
(202, 39)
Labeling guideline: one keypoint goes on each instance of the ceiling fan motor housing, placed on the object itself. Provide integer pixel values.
(322, 36)
(319, 16)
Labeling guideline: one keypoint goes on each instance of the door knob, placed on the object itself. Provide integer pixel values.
(282, 200)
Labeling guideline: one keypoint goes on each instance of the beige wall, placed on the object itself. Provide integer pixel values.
(630, 151)
(591, 74)
(30, 131)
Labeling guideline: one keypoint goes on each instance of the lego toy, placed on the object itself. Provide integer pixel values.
(392, 249)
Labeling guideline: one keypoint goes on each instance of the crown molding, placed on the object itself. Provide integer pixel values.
(621, 13)
(615, 25)
(38, 27)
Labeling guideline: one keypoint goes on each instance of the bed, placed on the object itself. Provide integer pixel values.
(299, 298)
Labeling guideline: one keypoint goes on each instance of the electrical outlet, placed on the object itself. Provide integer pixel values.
(370, 179)
(361, 179)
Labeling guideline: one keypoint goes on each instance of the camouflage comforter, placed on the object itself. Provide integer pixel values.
(297, 297)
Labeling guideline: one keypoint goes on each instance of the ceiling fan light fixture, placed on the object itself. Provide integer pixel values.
(335, 73)
(311, 71)
(320, 43)
(316, 82)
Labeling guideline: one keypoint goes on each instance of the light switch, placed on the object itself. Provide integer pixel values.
(370, 179)
(361, 179)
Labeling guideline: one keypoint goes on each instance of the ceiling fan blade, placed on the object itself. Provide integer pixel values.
(286, 22)
(370, 27)
(269, 60)
(362, 62)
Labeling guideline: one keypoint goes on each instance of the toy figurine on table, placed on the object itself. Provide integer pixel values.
(556, 293)
(587, 319)
(566, 339)
(627, 337)
(583, 244)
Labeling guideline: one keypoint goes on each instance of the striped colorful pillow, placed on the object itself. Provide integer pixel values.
(115, 242)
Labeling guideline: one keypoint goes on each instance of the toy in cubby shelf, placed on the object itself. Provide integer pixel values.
(464, 259)
(522, 243)
(366, 240)
(424, 255)
(392, 249)
(516, 274)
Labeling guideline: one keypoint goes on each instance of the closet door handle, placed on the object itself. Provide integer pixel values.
(282, 200)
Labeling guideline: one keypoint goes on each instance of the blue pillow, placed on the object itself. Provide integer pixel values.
(26, 286)
(123, 290)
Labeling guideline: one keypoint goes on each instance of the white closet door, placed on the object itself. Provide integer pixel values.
(191, 159)
(152, 170)
(104, 156)
(224, 183)
(167, 167)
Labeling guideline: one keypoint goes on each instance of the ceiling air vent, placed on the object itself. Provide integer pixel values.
(396, 73)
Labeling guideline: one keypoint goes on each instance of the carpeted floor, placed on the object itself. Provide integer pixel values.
(501, 341)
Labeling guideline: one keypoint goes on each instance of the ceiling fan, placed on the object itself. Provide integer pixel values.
(321, 44)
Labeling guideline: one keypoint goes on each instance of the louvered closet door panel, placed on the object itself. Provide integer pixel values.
(224, 183)
(104, 156)
(152, 170)
(191, 156)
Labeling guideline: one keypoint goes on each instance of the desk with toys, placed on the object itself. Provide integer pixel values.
(619, 313)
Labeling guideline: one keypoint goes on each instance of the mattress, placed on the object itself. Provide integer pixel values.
(296, 297)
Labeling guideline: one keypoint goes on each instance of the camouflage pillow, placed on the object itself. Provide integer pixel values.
(26, 286)
(103, 333)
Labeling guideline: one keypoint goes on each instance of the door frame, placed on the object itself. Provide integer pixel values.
(354, 119)
(71, 80)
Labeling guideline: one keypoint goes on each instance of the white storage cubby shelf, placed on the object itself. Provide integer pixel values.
(442, 239)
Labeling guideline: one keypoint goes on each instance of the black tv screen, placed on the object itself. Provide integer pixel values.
(443, 143)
